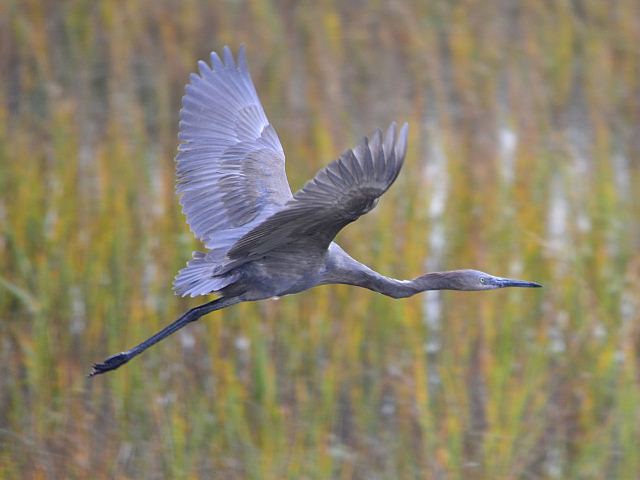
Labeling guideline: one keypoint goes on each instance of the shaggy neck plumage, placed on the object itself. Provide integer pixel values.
(341, 268)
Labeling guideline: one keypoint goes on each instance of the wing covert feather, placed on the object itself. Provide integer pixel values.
(338, 195)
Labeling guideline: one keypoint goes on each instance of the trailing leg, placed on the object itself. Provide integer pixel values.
(115, 361)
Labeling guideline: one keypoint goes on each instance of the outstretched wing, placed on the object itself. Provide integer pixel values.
(339, 193)
(230, 165)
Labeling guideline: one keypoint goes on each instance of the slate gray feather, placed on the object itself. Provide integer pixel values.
(230, 164)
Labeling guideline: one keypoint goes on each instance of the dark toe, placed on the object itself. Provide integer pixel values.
(109, 364)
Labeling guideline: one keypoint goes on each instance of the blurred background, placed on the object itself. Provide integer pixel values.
(524, 161)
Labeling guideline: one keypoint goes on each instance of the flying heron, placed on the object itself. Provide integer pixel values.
(262, 241)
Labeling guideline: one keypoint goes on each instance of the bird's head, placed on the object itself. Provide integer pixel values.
(477, 280)
(468, 280)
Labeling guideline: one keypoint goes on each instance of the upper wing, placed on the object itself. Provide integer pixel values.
(230, 165)
(339, 193)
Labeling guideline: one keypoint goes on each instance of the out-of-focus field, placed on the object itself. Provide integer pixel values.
(524, 161)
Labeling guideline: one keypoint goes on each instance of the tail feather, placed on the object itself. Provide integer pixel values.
(201, 276)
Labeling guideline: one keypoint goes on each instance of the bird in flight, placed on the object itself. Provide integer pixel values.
(261, 240)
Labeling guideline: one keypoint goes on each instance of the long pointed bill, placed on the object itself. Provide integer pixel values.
(508, 282)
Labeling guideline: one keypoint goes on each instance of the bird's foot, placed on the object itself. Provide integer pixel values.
(111, 363)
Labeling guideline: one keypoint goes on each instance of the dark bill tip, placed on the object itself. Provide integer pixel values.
(507, 282)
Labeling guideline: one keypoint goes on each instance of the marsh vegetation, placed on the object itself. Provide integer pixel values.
(523, 161)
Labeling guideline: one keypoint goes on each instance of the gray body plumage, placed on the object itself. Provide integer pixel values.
(236, 198)
(263, 241)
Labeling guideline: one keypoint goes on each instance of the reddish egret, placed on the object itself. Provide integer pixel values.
(263, 241)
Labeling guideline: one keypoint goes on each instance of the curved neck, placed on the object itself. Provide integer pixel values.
(342, 268)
